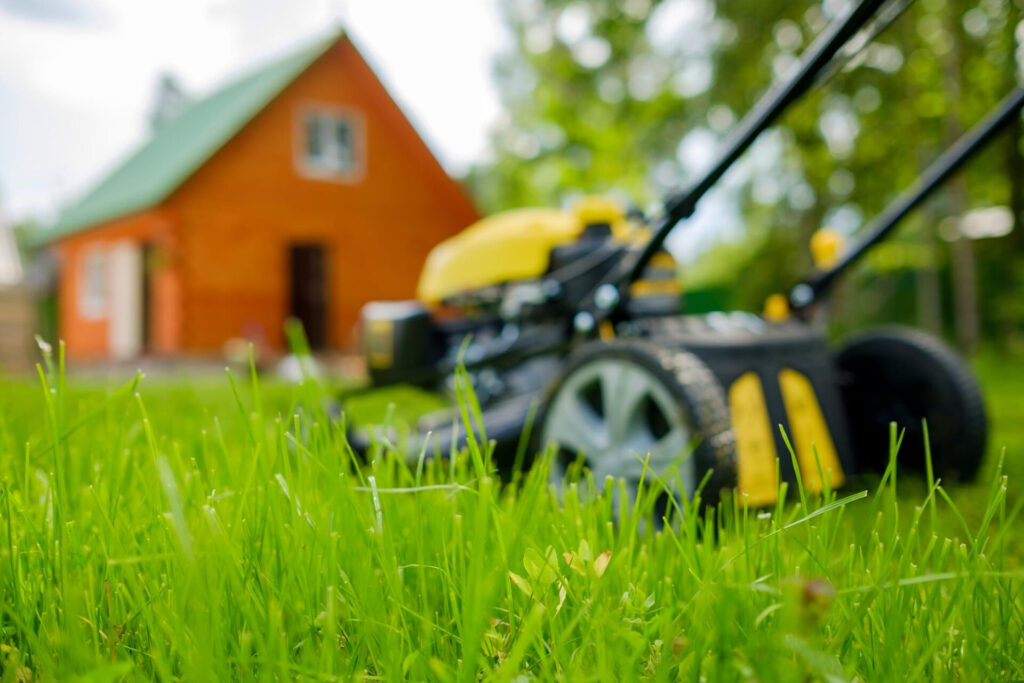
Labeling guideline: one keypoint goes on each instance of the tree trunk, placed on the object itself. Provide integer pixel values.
(1009, 323)
(1014, 158)
(965, 291)
(928, 290)
(964, 269)
(929, 287)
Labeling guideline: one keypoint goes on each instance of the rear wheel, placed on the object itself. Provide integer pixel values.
(621, 403)
(903, 376)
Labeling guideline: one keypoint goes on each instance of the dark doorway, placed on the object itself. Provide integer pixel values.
(309, 291)
(148, 257)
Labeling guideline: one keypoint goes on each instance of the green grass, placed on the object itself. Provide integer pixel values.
(179, 531)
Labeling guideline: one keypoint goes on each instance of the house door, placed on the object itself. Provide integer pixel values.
(309, 291)
(125, 335)
(146, 305)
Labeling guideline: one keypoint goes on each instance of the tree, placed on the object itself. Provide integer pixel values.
(169, 100)
(631, 95)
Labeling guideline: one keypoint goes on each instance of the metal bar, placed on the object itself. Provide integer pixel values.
(948, 163)
(764, 113)
(814, 60)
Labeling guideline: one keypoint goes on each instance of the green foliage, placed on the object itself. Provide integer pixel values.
(224, 531)
(586, 110)
(606, 95)
(742, 274)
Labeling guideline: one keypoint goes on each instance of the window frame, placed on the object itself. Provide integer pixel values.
(313, 170)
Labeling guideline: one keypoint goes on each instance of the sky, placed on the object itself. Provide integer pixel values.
(78, 77)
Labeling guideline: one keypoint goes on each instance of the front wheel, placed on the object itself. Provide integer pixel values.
(622, 403)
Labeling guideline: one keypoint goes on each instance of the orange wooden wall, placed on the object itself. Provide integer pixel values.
(87, 338)
(224, 266)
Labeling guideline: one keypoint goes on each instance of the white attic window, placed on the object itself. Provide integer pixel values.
(331, 144)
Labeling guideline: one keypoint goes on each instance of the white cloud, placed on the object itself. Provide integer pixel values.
(75, 88)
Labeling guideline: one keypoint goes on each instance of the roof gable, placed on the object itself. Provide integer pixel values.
(183, 144)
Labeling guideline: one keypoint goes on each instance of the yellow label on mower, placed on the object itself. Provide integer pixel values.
(645, 288)
(809, 433)
(755, 445)
(380, 343)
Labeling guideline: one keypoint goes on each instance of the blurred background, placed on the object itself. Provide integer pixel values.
(177, 179)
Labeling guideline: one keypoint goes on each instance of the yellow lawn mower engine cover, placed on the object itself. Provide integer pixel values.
(470, 280)
(515, 246)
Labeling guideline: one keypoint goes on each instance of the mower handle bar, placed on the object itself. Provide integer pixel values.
(812, 65)
(765, 112)
(805, 294)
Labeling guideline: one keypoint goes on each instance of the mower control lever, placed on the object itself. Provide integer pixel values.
(803, 296)
(764, 114)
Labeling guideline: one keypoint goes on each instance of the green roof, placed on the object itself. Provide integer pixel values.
(180, 146)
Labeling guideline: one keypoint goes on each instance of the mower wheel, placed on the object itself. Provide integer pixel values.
(623, 402)
(903, 375)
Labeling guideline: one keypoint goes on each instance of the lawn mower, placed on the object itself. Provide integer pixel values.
(569, 323)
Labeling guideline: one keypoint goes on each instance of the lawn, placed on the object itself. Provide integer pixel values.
(200, 530)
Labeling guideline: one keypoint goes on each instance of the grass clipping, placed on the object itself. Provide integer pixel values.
(230, 533)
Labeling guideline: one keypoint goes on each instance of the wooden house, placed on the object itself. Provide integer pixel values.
(298, 190)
